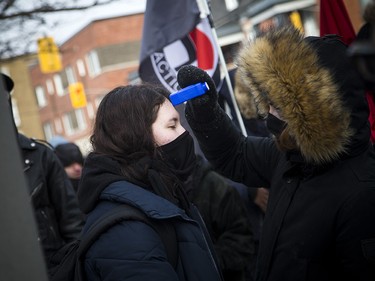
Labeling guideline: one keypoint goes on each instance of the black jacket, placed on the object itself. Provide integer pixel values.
(319, 223)
(226, 220)
(57, 214)
(132, 250)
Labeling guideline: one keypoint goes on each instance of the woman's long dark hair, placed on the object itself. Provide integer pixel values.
(123, 131)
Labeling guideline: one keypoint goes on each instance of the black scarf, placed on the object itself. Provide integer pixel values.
(180, 155)
(163, 181)
(274, 125)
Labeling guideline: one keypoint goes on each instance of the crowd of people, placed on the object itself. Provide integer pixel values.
(293, 200)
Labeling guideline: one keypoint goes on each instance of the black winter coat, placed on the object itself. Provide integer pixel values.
(226, 220)
(319, 223)
(59, 219)
(132, 250)
(320, 219)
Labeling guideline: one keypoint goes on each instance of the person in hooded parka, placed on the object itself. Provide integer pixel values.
(319, 167)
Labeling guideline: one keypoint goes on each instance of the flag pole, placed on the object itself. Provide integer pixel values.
(205, 13)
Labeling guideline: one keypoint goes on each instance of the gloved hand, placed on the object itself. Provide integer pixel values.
(190, 75)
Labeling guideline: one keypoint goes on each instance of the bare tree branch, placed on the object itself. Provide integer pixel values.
(20, 21)
(48, 8)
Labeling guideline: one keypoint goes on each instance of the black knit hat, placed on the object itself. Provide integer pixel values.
(69, 153)
(7, 82)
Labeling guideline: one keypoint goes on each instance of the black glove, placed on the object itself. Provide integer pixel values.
(190, 75)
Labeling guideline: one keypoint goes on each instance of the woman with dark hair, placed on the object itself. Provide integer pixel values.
(133, 126)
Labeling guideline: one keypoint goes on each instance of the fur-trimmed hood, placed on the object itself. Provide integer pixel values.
(315, 88)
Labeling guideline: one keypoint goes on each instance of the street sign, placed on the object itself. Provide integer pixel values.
(77, 95)
(295, 18)
(49, 56)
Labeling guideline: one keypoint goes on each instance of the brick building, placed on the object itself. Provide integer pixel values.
(102, 55)
(105, 53)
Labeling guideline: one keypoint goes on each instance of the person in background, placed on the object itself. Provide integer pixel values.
(255, 200)
(54, 201)
(72, 159)
(254, 125)
(134, 127)
(320, 165)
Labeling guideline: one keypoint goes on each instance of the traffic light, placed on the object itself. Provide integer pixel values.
(77, 95)
(49, 56)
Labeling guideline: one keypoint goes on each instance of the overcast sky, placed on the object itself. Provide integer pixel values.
(72, 22)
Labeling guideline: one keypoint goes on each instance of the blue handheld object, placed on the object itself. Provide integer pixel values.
(188, 93)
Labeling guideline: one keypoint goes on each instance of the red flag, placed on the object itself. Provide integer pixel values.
(207, 56)
(334, 19)
(170, 41)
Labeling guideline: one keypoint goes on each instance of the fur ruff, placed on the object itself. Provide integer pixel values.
(283, 70)
(244, 100)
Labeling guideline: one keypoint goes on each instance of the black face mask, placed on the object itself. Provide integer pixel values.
(275, 125)
(180, 154)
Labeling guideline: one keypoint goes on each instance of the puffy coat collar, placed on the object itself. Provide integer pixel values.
(102, 180)
(154, 206)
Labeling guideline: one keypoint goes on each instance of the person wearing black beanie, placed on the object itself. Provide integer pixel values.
(72, 159)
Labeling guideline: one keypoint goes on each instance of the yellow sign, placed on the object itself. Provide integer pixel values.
(49, 56)
(77, 95)
(295, 18)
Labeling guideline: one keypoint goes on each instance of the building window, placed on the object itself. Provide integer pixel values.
(71, 77)
(58, 126)
(64, 80)
(81, 68)
(48, 131)
(114, 55)
(58, 85)
(90, 110)
(93, 63)
(16, 113)
(49, 86)
(74, 121)
(40, 96)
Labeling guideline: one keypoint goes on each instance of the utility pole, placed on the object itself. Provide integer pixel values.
(21, 255)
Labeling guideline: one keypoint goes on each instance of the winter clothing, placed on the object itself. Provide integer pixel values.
(56, 208)
(8, 83)
(321, 207)
(69, 153)
(290, 85)
(226, 220)
(141, 255)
